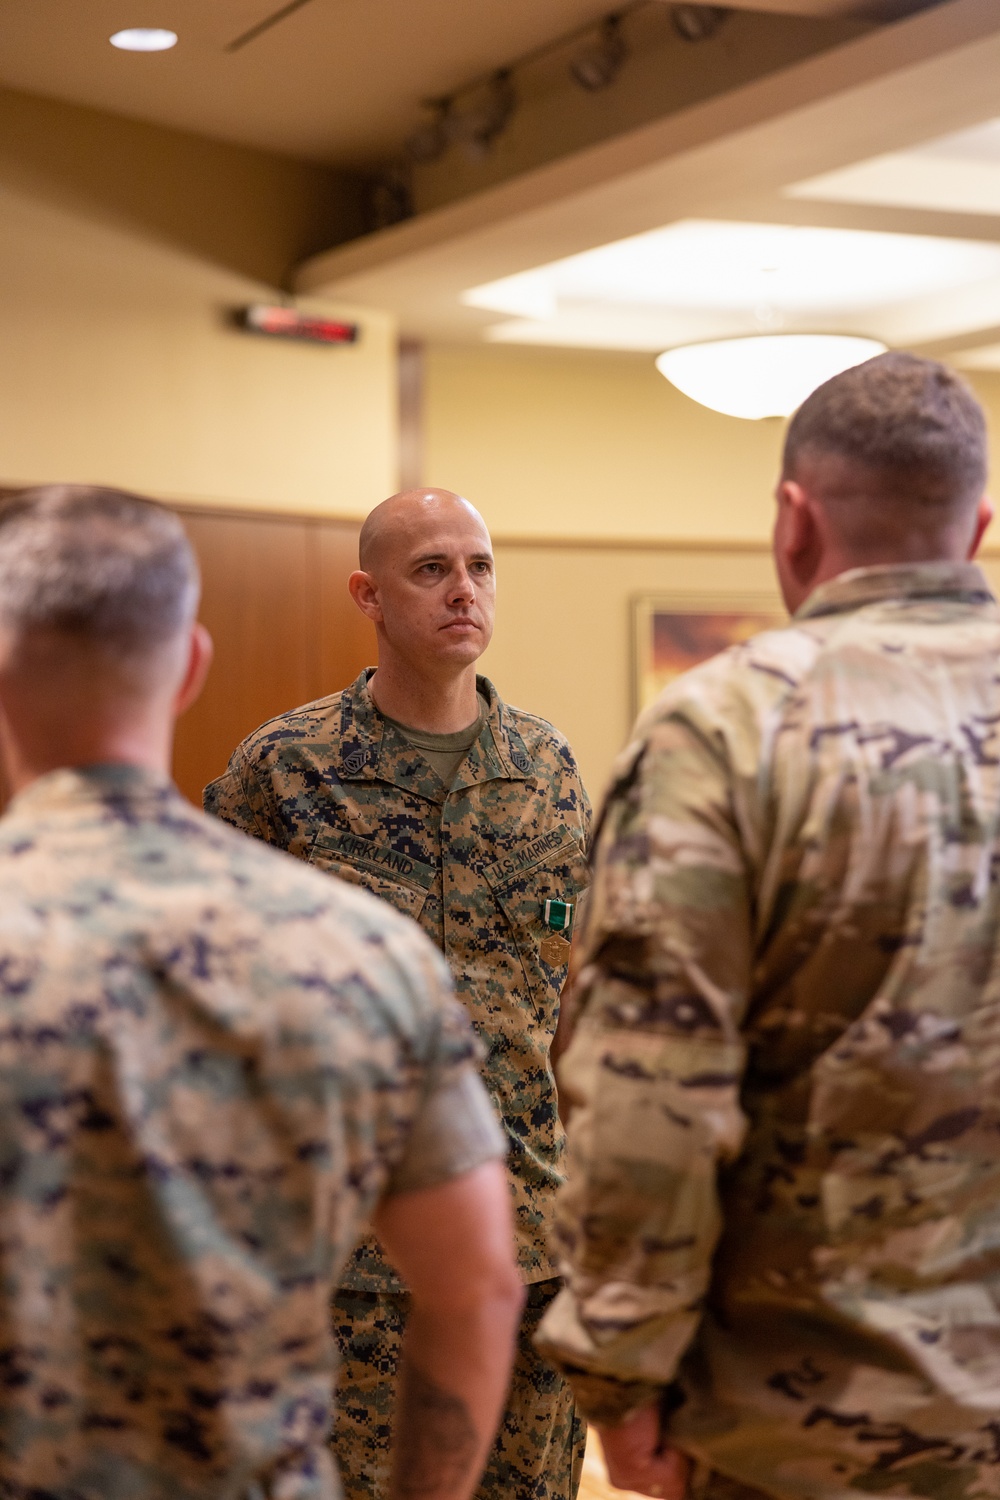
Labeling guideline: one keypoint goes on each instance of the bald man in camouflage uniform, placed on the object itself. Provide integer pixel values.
(419, 783)
(782, 1222)
(215, 1065)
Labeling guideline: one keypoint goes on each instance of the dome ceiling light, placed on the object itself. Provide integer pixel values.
(769, 376)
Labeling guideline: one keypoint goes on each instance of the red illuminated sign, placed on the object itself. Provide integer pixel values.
(286, 323)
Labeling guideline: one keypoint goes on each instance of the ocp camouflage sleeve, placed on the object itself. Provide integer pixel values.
(653, 1073)
(783, 1207)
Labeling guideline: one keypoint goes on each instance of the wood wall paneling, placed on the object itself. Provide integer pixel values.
(346, 639)
(274, 596)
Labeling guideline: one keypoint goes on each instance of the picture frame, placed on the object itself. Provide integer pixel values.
(672, 632)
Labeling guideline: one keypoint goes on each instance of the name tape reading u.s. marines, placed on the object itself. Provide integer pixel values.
(532, 852)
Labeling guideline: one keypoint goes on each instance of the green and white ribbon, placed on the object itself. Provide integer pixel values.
(558, 915)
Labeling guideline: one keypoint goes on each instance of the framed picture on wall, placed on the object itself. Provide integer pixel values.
(672, 632)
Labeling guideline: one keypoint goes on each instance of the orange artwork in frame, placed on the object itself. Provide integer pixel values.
(674, 632)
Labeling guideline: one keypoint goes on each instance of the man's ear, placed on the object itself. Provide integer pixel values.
(364, 592)
(985, 512)
(794, 518)
(798, 544)
(200, 653)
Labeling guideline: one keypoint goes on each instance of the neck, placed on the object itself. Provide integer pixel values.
(438, 705)
(28, 753)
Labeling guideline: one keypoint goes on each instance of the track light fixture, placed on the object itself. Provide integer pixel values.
(598, 65)
(389, 199)
(432, 139)
(476, 128)
(696, 23)
(476, 114)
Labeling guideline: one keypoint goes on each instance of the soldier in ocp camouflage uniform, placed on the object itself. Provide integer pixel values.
(421, 785)
(781, 1231)
(214, 1064)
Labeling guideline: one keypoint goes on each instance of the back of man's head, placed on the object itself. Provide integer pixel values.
(894, 447)
(94, 570)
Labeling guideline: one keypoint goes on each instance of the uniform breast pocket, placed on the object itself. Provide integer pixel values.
(394, 877)
(540, 904)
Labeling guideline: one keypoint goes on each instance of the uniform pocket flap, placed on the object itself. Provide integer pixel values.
(556, 847)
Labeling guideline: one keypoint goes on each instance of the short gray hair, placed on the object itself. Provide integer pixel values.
(113, 570)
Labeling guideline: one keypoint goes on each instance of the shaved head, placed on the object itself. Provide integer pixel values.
(400, 519)
(427, 582)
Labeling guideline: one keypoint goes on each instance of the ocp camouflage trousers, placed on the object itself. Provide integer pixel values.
(538, 1451)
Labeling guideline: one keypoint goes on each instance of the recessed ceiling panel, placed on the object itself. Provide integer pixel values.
(986, 358)
(957, 173)
(704, 278)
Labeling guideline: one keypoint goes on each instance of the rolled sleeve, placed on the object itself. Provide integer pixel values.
(455, 1132)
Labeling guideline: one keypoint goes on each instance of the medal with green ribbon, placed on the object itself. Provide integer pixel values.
(558, 918)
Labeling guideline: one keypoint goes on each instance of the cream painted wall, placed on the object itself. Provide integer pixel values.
(120, 369)
(119, 364)
(563, 641)
(569, 443)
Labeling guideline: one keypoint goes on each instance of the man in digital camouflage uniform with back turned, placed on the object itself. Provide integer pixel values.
(215, 1067)
(781, 1232)
(420, 784)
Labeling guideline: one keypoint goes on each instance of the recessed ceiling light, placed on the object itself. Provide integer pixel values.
(144, 39)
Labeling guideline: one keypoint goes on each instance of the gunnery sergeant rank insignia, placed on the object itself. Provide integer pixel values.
(558, 917)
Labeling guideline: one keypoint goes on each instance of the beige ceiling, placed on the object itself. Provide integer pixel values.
(738, 156)
(338, 80)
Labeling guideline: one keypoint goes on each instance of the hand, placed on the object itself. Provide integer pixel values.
(639, 1459)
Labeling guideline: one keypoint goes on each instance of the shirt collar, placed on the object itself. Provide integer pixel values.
(370, 749)
(120, 787)
(928, 580)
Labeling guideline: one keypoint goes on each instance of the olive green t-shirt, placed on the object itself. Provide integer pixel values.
(445, 752)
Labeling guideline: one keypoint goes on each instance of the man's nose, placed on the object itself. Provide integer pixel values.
(462, 586)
